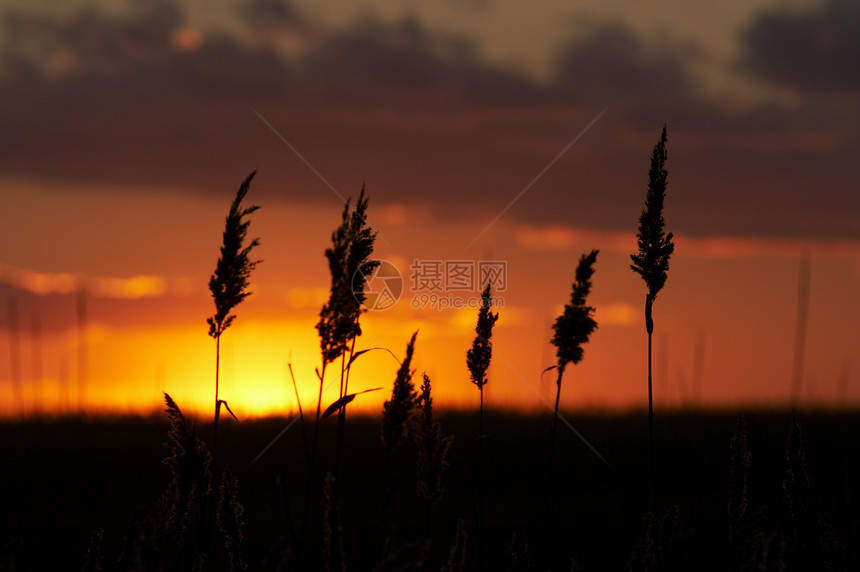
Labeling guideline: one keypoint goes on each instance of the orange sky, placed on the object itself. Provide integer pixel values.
(733, 298)
(482, 132)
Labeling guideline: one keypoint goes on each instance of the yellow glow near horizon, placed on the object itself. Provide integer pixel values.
(254, 376)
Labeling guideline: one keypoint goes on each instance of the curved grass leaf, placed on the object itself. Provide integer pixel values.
(343, 401)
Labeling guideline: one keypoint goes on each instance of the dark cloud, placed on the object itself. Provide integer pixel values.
(406, 65)
(613, 63)
(91, 39)
(816, 50)
(419, 116)
(128, 105)
(272, 15)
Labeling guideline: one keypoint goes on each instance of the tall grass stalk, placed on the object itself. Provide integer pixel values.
(229, 283)
(478, 361)
(479, 355)
(397, 411)
(432, 451)
(183, 505)
(338, 327)
(396, 414)
(571, 330)
(652, 263)
(229, 518)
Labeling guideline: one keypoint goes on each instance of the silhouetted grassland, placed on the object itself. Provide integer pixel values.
(62, 480)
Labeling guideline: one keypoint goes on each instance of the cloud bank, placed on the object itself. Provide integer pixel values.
(145, 98)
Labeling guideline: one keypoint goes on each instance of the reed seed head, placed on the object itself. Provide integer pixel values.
(574, 326)
(190, 464)
(432, 449)
(396, 411)
(229, 282)
(655, 247)
(349, 264)
(479, 355)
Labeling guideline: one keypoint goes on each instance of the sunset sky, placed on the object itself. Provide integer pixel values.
(484, 130)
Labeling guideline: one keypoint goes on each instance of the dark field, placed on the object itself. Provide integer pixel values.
(62, 480)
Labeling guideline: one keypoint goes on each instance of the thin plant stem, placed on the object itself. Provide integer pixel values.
(311, 459)
(229, 287)
(652, 263)
(651, 432)
(571, 330)
(301, 411)
(549, 471)
(481, 482)
(478, 361)
(341, 417)
(217, 404)
(321, 375)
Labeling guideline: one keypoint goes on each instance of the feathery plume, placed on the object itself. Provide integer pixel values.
(652, 263)
(655, 247)
(574, 326)
(572, 329)
(432, 449)
(190, 463)
(478, 361)
(229, 282)
(349, 265)
(397, 410)
(479, 355)
(229, 520)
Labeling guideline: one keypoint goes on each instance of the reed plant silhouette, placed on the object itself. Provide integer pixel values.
(229, 284)
(479, 355)
(333, 556)
(432, 452)
(478, 361)
(572, 329)
(338, 327)
(652, 263)
(229, 518)
(183, 507)
(397, 411)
